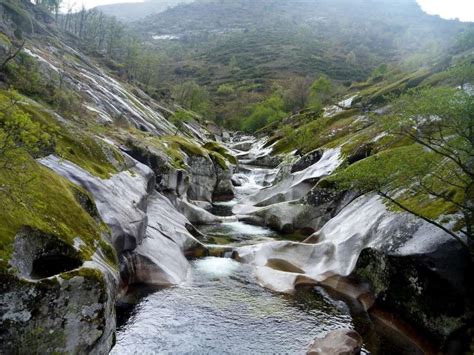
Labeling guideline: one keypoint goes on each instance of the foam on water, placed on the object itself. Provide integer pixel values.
(216, 267)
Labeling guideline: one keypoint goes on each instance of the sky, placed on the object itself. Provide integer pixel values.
(449, 9)
(89, 4)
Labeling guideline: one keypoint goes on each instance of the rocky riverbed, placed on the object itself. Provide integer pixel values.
(281, 293)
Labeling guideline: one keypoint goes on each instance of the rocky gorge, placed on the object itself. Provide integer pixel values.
(196, 239)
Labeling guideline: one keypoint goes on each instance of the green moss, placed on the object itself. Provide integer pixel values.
(215, 147)
(5, 40)
(185, 144)
(86, 152)
(110, 253)
(36, 197)
(429, 207)
(398, 170)
(86, 272)
(75, 145)
(219, 159)
(378, 93)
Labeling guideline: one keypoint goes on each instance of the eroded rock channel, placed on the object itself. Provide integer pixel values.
(226, 302)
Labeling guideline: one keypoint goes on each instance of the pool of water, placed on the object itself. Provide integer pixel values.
(222, 310)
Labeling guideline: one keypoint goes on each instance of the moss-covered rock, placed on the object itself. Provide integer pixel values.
(58, 271)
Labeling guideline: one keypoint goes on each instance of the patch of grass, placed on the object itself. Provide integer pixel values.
(430, 207)
(398, 170)
(185, 144)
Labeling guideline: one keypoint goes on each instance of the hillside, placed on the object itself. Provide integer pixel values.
(245, 48)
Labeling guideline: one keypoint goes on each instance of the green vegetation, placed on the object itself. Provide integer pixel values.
(25, 76)
(434, 175)
(18, 132)
(320, 93)
(192, 96)
(25, 126)
(51, 5)
(239, 61)
(179, 118)
(36, 197)
(88, 153)
(264, 113)
(33, 195)
(220, 153)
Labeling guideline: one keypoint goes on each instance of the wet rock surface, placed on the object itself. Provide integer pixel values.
(337, 342)
(431, 289)
(306, 161)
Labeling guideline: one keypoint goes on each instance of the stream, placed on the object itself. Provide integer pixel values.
(221, 308)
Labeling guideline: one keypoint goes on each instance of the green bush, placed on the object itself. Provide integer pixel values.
(264, 113)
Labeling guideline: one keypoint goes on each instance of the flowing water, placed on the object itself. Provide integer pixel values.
(221, 309)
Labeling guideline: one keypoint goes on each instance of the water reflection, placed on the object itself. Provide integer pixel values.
(222, 310)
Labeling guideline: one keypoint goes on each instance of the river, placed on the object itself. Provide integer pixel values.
(221, 308)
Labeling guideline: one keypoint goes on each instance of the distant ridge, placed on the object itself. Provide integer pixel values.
(129, 12)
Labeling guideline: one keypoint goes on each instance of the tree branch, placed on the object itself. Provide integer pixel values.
(436, 224)
(11, 56)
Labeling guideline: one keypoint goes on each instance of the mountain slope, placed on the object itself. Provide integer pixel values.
(252, 45)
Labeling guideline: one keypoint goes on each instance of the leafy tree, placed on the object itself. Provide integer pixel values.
(351, 58)
(13, 51)
(179, 119)
(440, 164)
(225, 90)
(19, 133)
(321, 91)
(466, 40)
(381, 70)
(463, 73)
(266, 112)
(296, 96)
(51, 5)
(234, 65)
(190, 95)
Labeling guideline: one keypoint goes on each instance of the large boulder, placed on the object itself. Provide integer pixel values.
(432, 289)
(168, 178)
(56, 299)
(308, 214)
(160, 259)
(202, 178)
(307, 160)
(223, 190)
